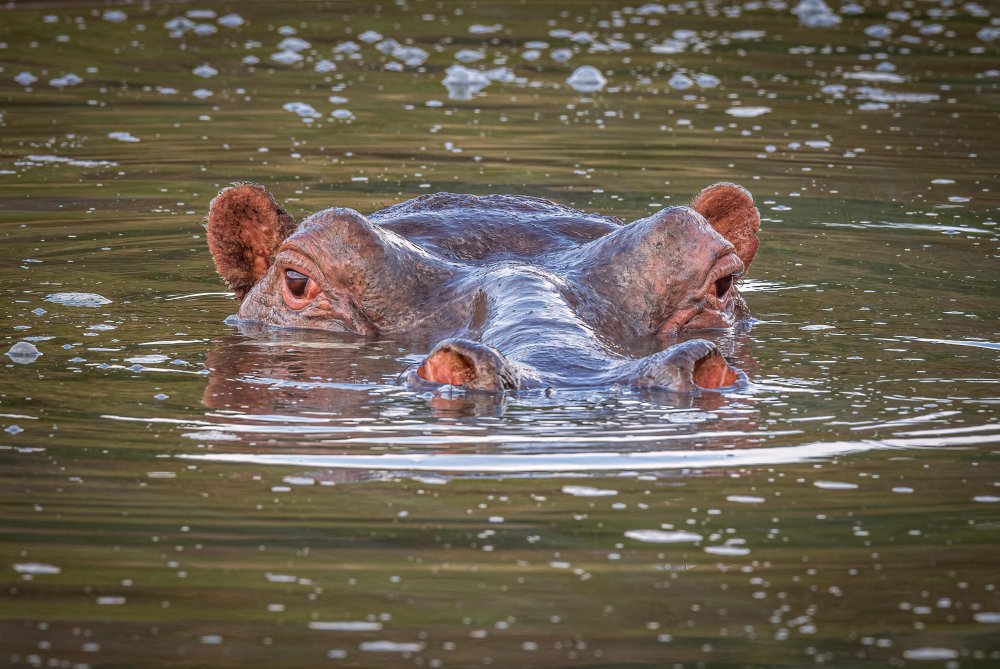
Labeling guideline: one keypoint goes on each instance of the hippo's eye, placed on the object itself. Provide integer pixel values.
(722, 286)
(724, 274)
(296, 283)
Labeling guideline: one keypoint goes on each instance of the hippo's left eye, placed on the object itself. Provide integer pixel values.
(299, 289)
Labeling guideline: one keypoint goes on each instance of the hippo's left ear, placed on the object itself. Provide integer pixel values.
(245, 228)
(730, 210)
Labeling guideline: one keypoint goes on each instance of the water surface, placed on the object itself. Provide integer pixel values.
(194, 494)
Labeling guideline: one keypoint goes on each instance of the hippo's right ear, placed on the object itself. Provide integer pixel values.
(245, 228)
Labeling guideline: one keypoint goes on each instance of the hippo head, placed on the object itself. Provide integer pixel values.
(519, 292)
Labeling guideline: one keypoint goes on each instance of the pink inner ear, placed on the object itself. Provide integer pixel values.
(245, 228)
(731, 211)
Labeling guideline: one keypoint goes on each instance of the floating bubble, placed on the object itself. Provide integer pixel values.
(65, 81)
(36, 568)
(231, 21)
(345, 626)
(879, 31)
(587, 491)
(23, 353)
(77, 299)
(69, 161)
(503, 75)
(123, 136)
(179, 25)
(303, 109)
(205, 71)
(816, 14)
(680, 81)
(651, 8)
(587, 79)
(410, 55)
(462, 82)
(390, 647)
(286, 57)
(879, 95)
(730, 551)
(469, 56)
(669, 47)
(561, 55)
(295, 44)
(989, 34)
(835, 485)
(346, 47)
(883, 77)
(706, 80)
(747, 112)
(663, 536)
(930, 654)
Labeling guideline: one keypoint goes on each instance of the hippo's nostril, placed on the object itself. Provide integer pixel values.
(446, 365)
(712, 371)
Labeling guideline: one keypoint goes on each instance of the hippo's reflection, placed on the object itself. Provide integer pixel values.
(268, 371)
(271, 371)
(341, 403)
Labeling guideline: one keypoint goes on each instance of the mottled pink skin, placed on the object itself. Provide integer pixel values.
(522, 291)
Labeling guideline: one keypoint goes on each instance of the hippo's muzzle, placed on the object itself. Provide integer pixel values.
(692, 366)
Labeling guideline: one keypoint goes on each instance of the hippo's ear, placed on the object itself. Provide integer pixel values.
(245, 228)
(730, 210)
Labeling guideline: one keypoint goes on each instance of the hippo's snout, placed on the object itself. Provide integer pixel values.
(686, 367)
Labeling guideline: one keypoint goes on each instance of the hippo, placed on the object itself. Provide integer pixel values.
(517, 292)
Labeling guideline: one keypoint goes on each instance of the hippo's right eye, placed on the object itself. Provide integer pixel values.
(297, 282)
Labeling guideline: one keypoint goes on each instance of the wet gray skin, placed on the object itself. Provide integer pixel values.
(519, 292)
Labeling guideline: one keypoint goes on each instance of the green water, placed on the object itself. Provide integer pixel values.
(177, 492)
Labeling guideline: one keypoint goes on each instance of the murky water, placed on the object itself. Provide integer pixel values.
(179, 493)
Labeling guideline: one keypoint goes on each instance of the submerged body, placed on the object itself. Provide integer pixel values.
(520, 291)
